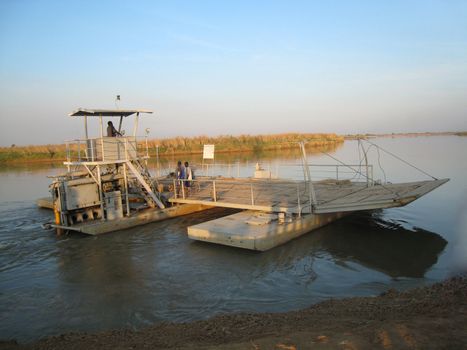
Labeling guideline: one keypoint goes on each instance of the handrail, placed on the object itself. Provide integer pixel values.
(210, 192)
(288, 171)
(318, 171)
(107, 149)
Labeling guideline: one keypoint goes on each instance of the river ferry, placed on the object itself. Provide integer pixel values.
(107, 187)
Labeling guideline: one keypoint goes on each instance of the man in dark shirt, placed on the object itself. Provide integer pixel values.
(111, 131)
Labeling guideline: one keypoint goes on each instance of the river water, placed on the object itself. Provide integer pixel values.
(153, 273)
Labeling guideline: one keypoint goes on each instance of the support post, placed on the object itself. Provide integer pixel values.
(299, 206)
(102, 136)
(92, 150)
(214, 195)
(157, 161)
(57, 212)
(86, 126)
(136, 125)
(79, 151)
(311, 189)
(120, 125)
(252, 195)
(126, 190)
(101, 129)
(101, 195)
(366, 167)
(147, 148)
(86, 135)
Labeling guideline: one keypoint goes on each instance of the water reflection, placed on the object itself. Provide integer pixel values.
(366, 238)
(31, 167)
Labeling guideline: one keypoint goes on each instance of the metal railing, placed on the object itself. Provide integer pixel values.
(107, 149)
(253, 193)
(281, 170)
(341, 172)
(243, 193)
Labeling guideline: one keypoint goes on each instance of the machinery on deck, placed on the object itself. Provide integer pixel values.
(107, 178)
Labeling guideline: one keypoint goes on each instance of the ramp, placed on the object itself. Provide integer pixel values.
(295, 196)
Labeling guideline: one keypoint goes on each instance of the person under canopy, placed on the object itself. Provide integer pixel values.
(111, 131)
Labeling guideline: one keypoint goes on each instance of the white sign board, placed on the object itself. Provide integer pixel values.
(208, 152)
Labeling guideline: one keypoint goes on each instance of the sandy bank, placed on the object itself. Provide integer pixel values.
(433, 317)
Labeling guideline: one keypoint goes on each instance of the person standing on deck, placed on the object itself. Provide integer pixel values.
(180, 171)
(188, 175)
(179, 174)
(111, 131)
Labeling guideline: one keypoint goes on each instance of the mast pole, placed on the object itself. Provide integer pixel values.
(86, 135)
(120, 124)
(102, 135)
(86, 126)
(136, 124)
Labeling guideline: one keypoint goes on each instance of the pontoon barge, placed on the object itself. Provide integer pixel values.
(108, 187)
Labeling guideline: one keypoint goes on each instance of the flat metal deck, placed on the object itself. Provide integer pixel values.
(294, 196)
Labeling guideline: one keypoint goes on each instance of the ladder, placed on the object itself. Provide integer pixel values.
(144, 178)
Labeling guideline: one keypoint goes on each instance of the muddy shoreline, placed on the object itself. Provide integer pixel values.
(433, 317)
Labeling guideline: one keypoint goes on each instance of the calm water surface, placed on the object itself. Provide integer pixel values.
(133, 278)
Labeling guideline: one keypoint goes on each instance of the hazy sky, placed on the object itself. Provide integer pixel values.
(232, 67)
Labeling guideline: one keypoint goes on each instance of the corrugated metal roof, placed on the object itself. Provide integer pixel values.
(81, 112)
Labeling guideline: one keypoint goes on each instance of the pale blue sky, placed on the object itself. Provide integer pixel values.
(232, 67)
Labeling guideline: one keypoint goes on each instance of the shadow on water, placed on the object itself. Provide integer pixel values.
(365, 238)
(120, 264)
(382, 245)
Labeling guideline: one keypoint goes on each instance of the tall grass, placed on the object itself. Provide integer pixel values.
(183, 145)
(241, 143)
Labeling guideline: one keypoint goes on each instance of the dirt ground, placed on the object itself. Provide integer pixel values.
(433, 317)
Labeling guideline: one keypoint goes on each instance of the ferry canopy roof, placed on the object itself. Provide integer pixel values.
(81, 112)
